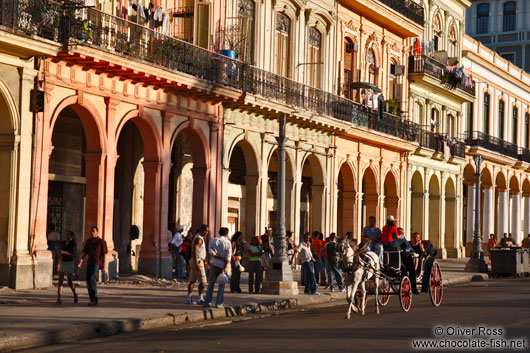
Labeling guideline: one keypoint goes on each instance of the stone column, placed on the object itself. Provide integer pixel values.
(165, 258)
(407, 221)
(488, 220)
(526, 215)
(426, 201)
(502, 213)
(149, 255)
(252, 200)
(516, 218)
(348, 212)
(317, 207)
(442, 216)
(224, 196)
(470, 217)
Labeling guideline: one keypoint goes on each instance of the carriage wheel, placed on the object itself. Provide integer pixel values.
(405, 294)
(435, 285)
(384, 294)
(359, 303)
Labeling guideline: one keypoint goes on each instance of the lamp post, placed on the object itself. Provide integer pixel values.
(280, 275)
(476, 260)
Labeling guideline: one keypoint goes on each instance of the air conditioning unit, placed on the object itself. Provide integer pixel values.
(397, 70)
(351, 47)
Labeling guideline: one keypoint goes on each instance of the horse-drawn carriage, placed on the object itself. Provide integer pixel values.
(391, 277)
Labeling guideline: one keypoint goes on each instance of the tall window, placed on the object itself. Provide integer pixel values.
(247, 14)
(283, 52)
(450, 126)
(469, 124)
(486, 118)
(350, 68)
(526, 127)
(514, 125)
(508, 16)
(453, 52)
(501, 120)
(391, 80)
(372, 69)
(437, 28)
(483, 13)
(315, 57)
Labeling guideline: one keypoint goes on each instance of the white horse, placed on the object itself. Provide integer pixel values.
(367, 265)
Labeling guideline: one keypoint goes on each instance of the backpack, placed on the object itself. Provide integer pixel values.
(184, 249)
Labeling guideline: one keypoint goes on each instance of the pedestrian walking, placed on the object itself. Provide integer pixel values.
(94, 249)
(54, 239)
(66, 265)
(238, 244)
(267, 253)
(332, 259)
(197, 265)
(307, 260)
(220, 250)
(180, 262)
(290, 246)
(316, 246)
(254, 266)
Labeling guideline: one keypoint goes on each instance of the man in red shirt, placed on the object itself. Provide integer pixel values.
(391, 238)
(95, 249)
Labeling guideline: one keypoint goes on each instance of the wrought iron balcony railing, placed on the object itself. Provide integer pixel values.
(494, 144)
(407, 8)
(423, 64)
(90, 27)
(32, 17)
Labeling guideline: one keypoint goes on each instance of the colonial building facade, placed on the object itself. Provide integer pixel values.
(497, 127)
(136, 121)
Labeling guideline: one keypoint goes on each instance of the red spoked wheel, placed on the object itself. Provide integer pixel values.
(405, 294)
(359, 302)
(436, 288)
(384, 293)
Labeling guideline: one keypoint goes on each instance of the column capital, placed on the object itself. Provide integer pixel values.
(111, 103)
(151, 166)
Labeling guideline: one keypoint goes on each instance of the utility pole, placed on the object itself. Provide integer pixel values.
(280, 275)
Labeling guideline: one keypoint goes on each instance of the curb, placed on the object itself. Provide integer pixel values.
(108, 328)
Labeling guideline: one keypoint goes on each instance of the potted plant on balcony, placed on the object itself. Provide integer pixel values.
(391, 106)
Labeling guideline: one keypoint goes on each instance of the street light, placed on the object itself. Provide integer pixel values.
(280, 275)
(476, 260)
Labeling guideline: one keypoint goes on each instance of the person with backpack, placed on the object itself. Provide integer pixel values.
(184, 250)
(333, 258)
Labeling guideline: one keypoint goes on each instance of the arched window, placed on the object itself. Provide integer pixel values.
(486, 118)
(501, 120)
(483, 14)
(350, 68)
(453, 52)
(437, 29)
(315, 57)
(372, 69)
(526, 127)
(283, 50)
(508, 16)
(514, 125)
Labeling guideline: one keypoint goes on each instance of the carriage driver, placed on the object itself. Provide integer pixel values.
(372, 235)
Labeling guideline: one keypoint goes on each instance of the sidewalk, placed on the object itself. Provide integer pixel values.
(30, 318)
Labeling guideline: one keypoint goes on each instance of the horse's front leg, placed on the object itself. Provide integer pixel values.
(376, 295)
(363, 296)
(349, 297)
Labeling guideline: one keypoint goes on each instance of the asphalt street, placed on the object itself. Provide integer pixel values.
(484, 307)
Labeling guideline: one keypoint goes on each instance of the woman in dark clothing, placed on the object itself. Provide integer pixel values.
(66, 265)
(238, 245)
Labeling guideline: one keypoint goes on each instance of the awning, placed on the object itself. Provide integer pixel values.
(365, 85)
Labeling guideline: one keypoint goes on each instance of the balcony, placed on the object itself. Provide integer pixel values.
(32, 18)
(407, 8)
(440, 143)
(493, 144)
(422, 64)
(90, 28)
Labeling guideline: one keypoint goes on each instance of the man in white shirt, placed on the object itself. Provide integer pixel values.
(180, 263)
(197, 265)
(307, 260)
(220, 250)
